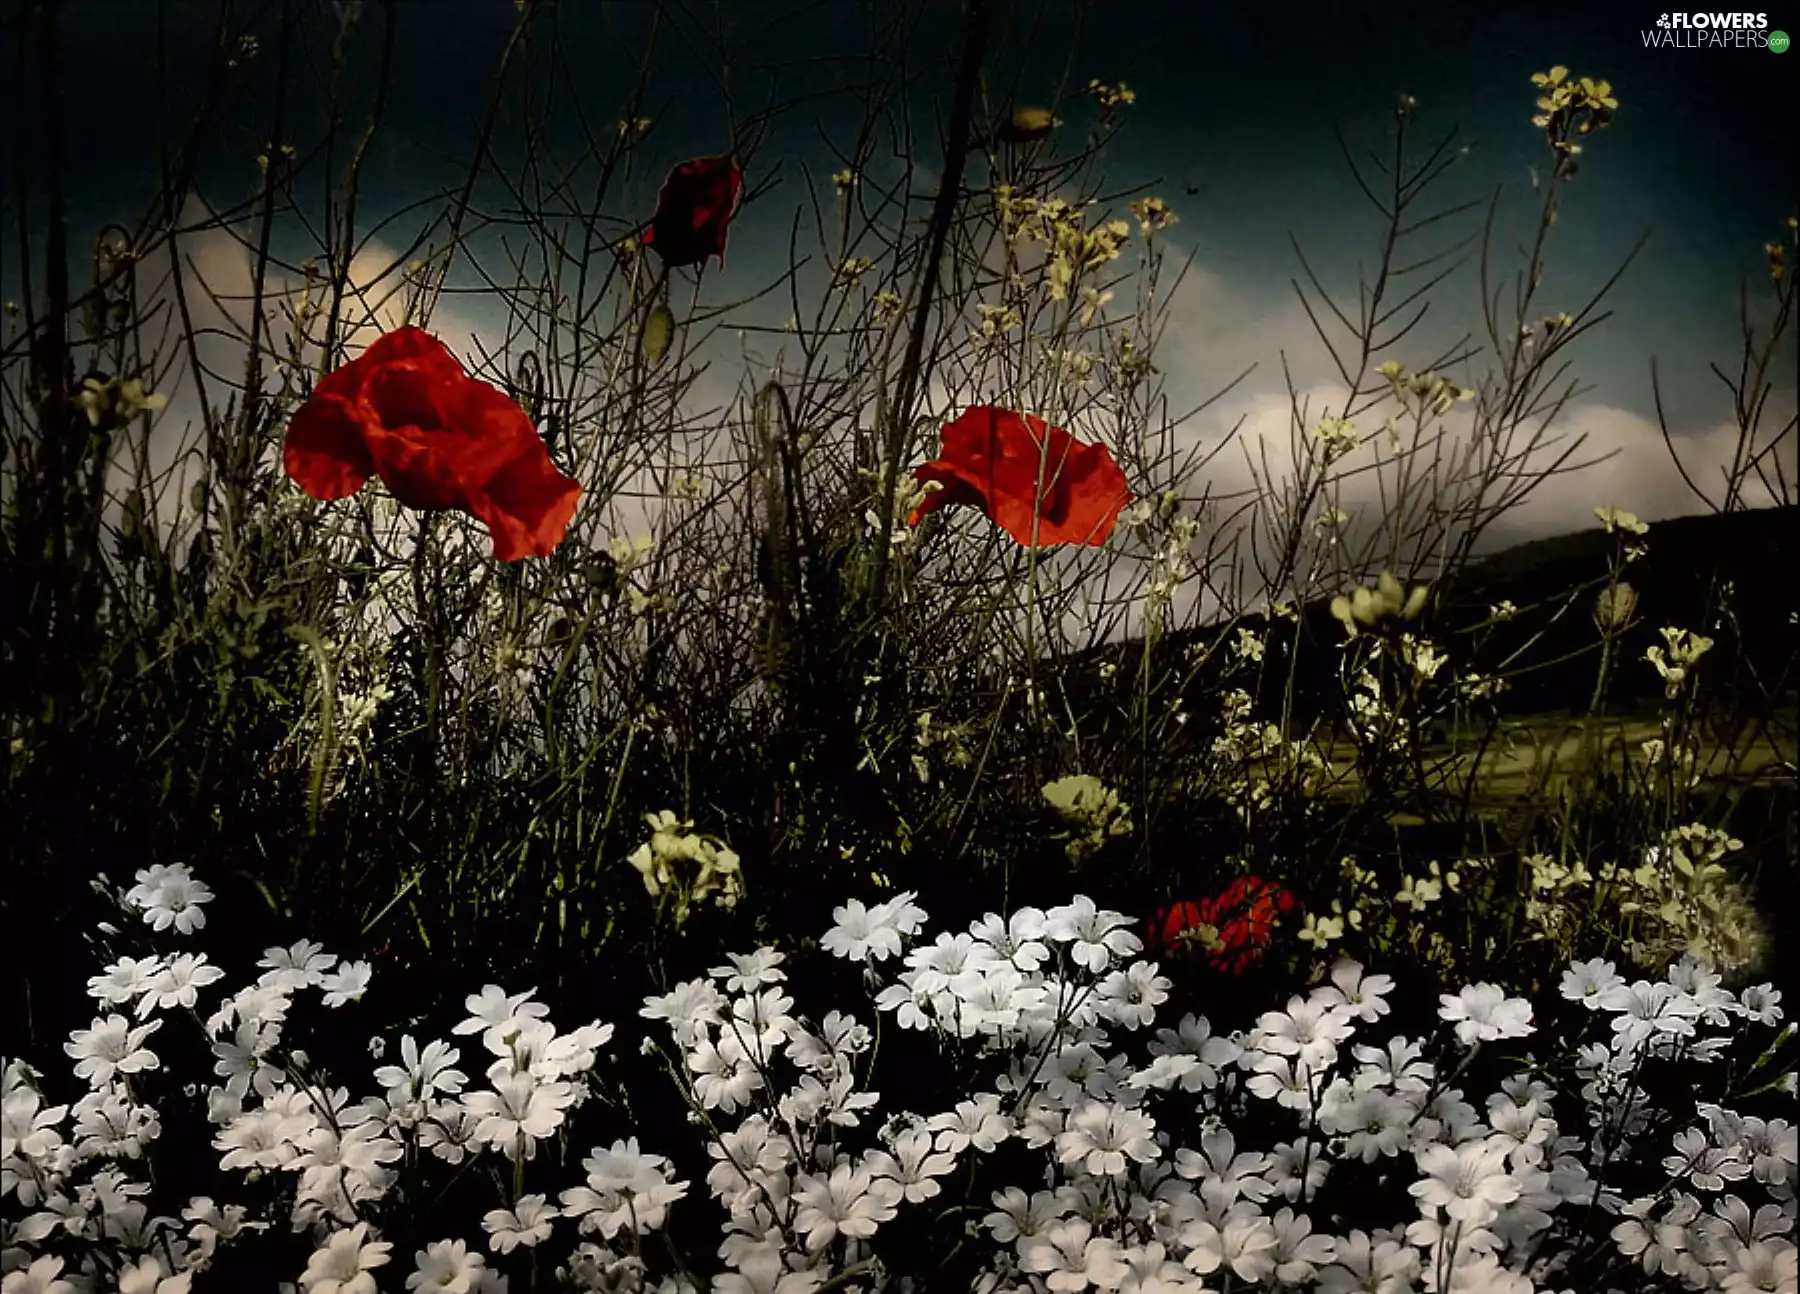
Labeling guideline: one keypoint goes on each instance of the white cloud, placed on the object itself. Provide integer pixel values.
(219, 284)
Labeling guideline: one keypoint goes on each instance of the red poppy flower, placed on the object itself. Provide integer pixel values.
(992, 459)
(1242, 921)
(1169, 925)
(694, 211)
(405, 410)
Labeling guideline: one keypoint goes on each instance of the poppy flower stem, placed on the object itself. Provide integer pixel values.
(978, 16)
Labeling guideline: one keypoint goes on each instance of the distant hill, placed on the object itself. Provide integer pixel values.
(1746, 562)
(1750, 558)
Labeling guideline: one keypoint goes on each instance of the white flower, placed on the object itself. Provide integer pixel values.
(1661, 1246)
(901, 913)
(111, 1047)
(449, 1266)
(836, 1103)
(1224, 1175)
(1765, 1265)
(1483, 1013)
(291, 969)
(1708, 1166)
(1163, 1073)
(1279, 1079)
(760, 1270)
(178, 984)
(862, 934)
(1130, 997)
(1194, 1037)
(346, 984)
(339, 1170)
(994, 999)
(750, 971)
(1297, 1168)
(912, 1008)
(1396, 1065)
(26, 1129)
(42, 1277)
(1773, 1147)
(125, 980)
(954, 963)
(626, 1190)
(976, 1123)
(1449, 1119)
(242, 1061)
(1102, 1137)
(519, 1112)
(256, 1003)
(761, 1022)
(448, 1131)
(850, 1202)
(912, 1166)
(343, 1265)
(1017, 1214)
(1365, 995)
(1469, 1182)
(1644, 1011)
(148, 1275)
(1148, 1270)
(420, 1076)
(498, 1016)
(1018, 939)
(828, 1052)
(1298, 1253)
(1761, 1003)
(211, 1224)
(1307, 1030)
(170, 896)
(1070, 1257)
(1096, 937)
(1590, 982)
(1244, 1244)
(750, 1158)
(262, 1138)
(689, 1008)
(1373, 1122)
(571, 1054)
(1362, 1265)
(724, 1075)
(525, 1223)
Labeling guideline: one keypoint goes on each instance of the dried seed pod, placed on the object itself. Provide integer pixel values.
(658, 332)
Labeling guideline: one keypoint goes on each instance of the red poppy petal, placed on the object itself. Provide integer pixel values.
(694, 210)
(324, 451)
(494, 431)
(955, 490)
(408, 346)
(1170, 923)
(443, 435)
(418, 468)
(1036, 482)
(527, 507)
(405, 410)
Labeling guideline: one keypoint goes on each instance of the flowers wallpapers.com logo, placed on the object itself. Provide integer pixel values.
(1715, 31)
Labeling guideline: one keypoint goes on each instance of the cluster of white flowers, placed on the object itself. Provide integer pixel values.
(1082, 1147)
